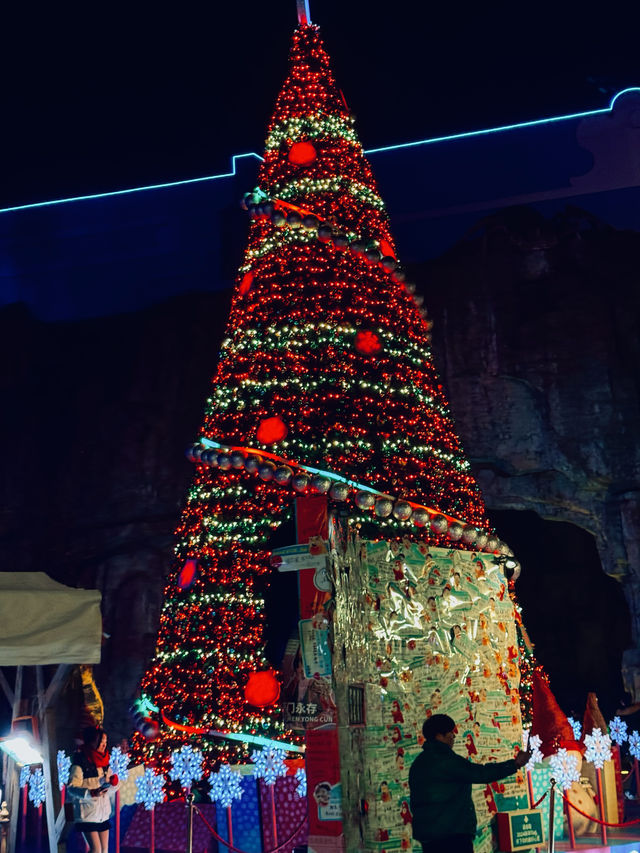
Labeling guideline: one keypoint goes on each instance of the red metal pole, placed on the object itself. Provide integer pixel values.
(603, 828)
(39, 828)
(117, 828)
(567, 808)
(530, 789)
(23, 829)
(229, 825)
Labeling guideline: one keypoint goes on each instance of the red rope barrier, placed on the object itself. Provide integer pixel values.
(230, 846)
(535, 805)
(595, 819)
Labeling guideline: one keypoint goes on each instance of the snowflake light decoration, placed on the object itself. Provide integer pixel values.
(269, 764)
(64, 765)
(634, 744)
(225, 786)
(577, 728)
(301, 779)
(150, 789)
(565, 767)
(36, 787)
(618, 730)
(25, 773)
(186, 766)
(535, 742)
(598, 748)
(119, 763)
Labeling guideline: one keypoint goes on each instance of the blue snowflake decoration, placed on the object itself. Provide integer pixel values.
(577, 728)
(598, 748)
(64, 765)
(301, 779)
(119, 763)
(534, 743)
(226, 786)
(36, 787)
(565, 767)
(269, 764)
(634, 744)
(150, 789)
(618, 730)
(25, 774)
(186, 766)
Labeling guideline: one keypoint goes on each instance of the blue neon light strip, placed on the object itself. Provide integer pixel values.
(467, 135)
(259, 740)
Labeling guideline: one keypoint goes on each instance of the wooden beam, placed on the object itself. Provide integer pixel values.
(56, 685)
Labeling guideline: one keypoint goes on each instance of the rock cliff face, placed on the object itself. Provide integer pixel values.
(536, 340)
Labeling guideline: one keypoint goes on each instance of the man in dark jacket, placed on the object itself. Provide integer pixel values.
(444, 819)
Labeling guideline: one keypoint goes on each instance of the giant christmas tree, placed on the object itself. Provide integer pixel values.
(325, 384)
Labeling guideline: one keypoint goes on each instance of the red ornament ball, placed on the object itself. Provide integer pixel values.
(245, 284)
(271, 430)
(262, 689)
(387, 249)
(302, 154)
(188, 574)
(368, 343)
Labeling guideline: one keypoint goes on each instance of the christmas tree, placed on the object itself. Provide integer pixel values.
(325, 384)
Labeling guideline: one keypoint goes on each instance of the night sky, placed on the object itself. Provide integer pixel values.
(104, 97)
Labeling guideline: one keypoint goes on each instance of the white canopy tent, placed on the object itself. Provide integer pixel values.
(43, 622)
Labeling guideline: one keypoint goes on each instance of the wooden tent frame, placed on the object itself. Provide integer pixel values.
(46, 697)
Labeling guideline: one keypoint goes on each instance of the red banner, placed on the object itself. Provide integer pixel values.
(323, 782)
(312, 527)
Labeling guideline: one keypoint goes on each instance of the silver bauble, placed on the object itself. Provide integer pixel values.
(339, 491)
(439, 524)
(265, 471)
(237, 459)
(420, 517)
(251, 464)
(209, 457)
(300, 482)
(481, 539)
(320, 483)
(402, 510)
(455, 531)
(469, 534)
(503, 548)
(491, 544)
(224, 461)
(282, 475)
(365, 500)
(383, 507)
(197, 451)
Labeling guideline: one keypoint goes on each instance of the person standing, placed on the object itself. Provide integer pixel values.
(444, 819)
(90, 781)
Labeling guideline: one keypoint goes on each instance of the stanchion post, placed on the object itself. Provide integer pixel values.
(190, 799)
(603, 828)
(552, 803)
(152, 840)
(636, 770)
